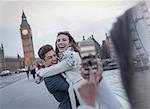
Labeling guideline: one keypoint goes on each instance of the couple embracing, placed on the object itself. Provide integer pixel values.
(63, 76)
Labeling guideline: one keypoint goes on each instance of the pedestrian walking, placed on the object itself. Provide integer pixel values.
(33, 71)
(27, 69)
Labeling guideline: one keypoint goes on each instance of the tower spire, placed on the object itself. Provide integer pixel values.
(2, 47)
(24, 22)
(23, 15)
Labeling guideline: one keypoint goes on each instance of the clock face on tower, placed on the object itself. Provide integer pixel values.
(24, 31)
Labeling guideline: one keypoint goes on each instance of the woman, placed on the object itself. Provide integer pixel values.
(67, 51)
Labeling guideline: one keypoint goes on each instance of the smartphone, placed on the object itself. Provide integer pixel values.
(88, 54)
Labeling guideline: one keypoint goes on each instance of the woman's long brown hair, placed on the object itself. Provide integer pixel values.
(74, 45)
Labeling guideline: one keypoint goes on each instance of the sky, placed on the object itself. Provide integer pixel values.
(46, 18)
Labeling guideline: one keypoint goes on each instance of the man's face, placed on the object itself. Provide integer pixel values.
(50, 58)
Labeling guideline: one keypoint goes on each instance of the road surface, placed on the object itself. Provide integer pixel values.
(25, 94)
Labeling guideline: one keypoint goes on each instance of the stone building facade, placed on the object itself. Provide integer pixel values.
(27, 42)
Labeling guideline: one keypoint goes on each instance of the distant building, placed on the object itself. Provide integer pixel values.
(110, 47)
(98, 47)
(13, 63)
(9, 63)
(27, 42)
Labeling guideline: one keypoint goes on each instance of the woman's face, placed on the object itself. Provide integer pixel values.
(62, 42)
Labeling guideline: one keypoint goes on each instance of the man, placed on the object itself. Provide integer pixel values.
(57, 84)
(27, 69)
(135, 82)
(135, 76)
(95, 93)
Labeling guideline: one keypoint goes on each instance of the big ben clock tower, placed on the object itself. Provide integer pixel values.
(26, 36)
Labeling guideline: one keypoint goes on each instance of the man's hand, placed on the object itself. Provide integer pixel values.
(98, 72)
(39, 79)
(88, 91)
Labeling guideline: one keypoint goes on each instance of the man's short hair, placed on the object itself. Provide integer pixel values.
(43, 50)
